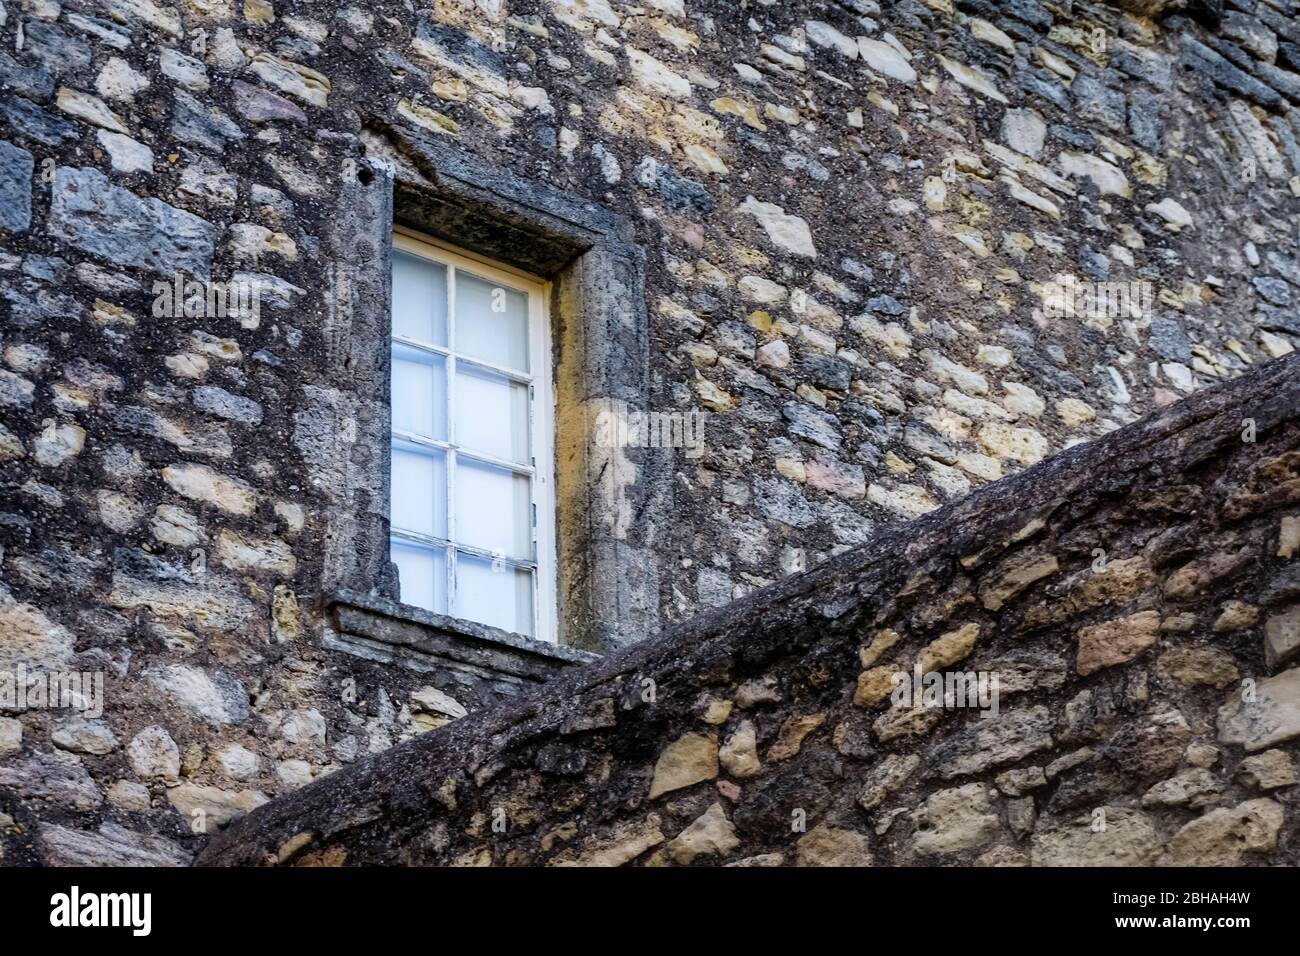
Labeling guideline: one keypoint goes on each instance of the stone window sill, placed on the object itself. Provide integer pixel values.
(387, 632)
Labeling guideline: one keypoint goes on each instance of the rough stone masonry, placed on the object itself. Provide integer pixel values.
(1137, 597)
(859, 223)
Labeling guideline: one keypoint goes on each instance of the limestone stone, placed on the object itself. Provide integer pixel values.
(1024, 131)
(1194, 786)
(1282, 637)
(294, 773)
(213, 696)
(973, 78)
(260, 554)
(739, 754)
(881, 642)
(117, 80)
(993, 742)
(11, 736)
(626, 843)
(711, 834)
(791, 736)
(1195, 666)
(1288, 541)
(885, 777)
(886, 59)
(1269, 713)
(787, 232)
(236, 762)
(655, 75)
(1024, 445)
(875, 685)
(60, 778)
(58, 442)
(210, 808)
(1018, 782)
(92, 109)
(201, 483)
(1117, 641)
(1236, 616)
(1267, 770)
(1015, 576)
(83, 736)
(1225, 836)
(129, 796)
(954, 820)
(688, 760)
(29, 638)
(295, 79)
(1111, 836)
(948, 649)
(1002, 856)
(126, 154)
(832, 846)
(110, 845)
(904, 721)
(434, 701)
(154, 754)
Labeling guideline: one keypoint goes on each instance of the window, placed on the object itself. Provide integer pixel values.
(472, 511)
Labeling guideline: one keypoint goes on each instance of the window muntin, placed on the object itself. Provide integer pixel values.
(472, 509)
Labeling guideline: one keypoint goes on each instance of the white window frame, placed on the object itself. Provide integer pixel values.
(541, 414)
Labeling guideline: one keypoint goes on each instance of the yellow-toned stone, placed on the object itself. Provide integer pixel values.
(688, 760)
(874, 685)
(881, 642)
(949, 648)
(791, 736)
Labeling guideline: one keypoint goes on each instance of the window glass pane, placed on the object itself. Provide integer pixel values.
(493, 509)
(491, 322)
(419, 392)
(491, 414)
(419, 298)
(495, 593)
(419, 492)
(421, 575)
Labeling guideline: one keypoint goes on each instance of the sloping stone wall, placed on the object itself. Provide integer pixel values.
(1137, 600)
(857, 219)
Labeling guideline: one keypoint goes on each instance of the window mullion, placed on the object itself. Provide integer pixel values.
(450, 503)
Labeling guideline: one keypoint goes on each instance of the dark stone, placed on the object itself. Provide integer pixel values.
(197, 124)
(57, 51)
(26, 81)
(886, 304)
(16, 165)
(826, 371)
(1273, 290)
(34, 123)
(819, 427)
(1288, 56)
(1078, 138)
(1030, 11)
(1094, 265)
(1153, 68)
(681, 194)
(1205, 61)
(1169, 340)
(114, 224)
(1144, 120)
(1286, 83)
(260, 106)
(1049, 89)
(1095, 101)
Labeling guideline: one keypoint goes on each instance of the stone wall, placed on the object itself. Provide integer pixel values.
(854, 218)
(1136, 600)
